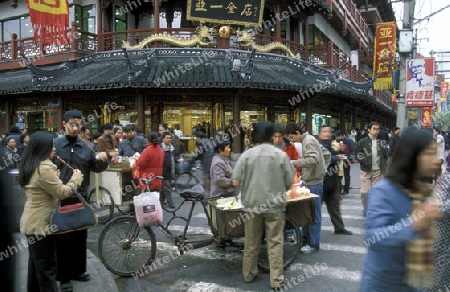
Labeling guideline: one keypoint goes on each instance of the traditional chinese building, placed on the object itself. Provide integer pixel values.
(310, 61)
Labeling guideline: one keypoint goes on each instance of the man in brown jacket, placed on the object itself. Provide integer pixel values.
(107, 142)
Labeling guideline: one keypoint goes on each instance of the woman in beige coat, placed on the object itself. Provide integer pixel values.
(38, 176)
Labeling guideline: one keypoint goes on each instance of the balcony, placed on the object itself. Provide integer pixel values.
(352, 21)
(84, 43)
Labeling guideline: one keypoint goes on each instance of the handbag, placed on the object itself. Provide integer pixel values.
(74, 216)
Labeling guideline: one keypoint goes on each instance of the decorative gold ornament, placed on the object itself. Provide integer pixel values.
(203, 34)
(224, 32)
(245, 38)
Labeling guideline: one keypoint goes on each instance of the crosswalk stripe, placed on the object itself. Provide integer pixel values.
(343, 248)
(323, 270)
(352, 229)
(344, 216)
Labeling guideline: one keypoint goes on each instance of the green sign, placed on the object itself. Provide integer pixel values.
(240, 12)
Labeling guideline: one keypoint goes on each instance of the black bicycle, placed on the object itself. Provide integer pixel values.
(125, 248)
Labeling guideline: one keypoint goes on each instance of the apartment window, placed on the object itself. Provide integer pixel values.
(317, 39)
(84, 16)
(120, 19)
(26, 29)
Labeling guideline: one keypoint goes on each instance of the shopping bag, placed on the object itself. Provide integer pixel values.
(78, 215)
(148, 208)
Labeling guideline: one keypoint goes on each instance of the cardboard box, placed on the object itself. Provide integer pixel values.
(228, 223)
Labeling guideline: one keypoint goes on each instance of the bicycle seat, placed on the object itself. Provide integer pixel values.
(197, 192)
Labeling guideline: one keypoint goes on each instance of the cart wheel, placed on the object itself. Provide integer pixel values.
(291, 246)
(125, 248)
(103, 209)
(185, 181)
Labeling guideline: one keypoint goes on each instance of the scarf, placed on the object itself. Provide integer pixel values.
(419, 260)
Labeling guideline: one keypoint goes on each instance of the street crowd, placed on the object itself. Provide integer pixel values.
(401, 181)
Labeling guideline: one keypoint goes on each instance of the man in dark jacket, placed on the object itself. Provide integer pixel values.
(71, 247)
(171, 157)
(349, 148)
(132, 144)
(205, 153)
(331, 195)
(371, 153)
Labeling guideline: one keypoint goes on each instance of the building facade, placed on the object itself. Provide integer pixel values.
(310, 61)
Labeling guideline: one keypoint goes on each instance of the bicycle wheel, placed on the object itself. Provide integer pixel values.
(291, 246)
(125, 248)
(104, 209)
(185, 181)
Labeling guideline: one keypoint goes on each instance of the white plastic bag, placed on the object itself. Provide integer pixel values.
(148, 208)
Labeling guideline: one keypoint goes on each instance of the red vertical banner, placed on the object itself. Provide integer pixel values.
(444, 90)
(50, 21)
(426, 119)
(384, 54)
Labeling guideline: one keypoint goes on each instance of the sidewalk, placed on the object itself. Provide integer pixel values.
(101, 278)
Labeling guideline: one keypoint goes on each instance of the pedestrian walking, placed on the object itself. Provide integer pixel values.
(71, 247)
(150, 162)
(171, 157)
(372, 156)
(39, 178)
(348, 146)
(273, 179)
(331, 192)
(440, 280)
(313, 165)
(400, 216)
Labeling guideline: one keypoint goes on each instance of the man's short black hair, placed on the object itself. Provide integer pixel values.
(200, 134)
(395, 129)
(280, 129)
(293, 128)
(108, 126)
(72, 114)
(83, 129)
(338, 133)
(166, 133)
(164, 125)
(128, 128)
(373, 124)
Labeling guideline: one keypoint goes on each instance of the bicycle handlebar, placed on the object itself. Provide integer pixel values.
(150, 179)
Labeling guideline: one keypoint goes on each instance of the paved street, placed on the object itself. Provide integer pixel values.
(336, 267)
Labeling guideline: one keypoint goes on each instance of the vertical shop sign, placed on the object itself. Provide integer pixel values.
(427, 117)
(384, 54)
(419, 82)
(444, 90)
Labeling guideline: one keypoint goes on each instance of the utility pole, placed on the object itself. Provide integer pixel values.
(408, 15)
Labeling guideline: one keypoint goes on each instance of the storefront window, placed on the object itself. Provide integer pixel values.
(319, 120)
(37, 116)
(189, 118)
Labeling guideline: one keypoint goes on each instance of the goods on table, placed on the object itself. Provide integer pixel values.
(297, 192)
(229, 203)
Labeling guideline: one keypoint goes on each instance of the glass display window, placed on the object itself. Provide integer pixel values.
(190, 117)
(34, 116)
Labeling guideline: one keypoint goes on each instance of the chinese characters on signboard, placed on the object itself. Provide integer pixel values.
(419, 82)
(444, 90)
(427, 117)
(384, 56)
(248, 12)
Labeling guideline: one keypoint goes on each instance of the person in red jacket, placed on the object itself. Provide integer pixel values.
(150, 162)
(284, 144)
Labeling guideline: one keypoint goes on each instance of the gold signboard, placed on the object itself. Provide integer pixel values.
(248, 13)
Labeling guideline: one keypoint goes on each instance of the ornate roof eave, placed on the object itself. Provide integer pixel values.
(220, 69)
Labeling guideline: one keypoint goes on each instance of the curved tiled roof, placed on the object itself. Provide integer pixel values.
(183, 68)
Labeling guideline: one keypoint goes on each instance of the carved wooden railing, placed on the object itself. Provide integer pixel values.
(329, 55)
(352, 20)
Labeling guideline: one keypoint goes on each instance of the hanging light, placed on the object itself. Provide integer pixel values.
(14, 3)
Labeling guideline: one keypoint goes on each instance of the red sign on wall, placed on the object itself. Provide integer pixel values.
(427, 117)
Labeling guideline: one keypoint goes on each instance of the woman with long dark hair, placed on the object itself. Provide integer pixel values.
(400, 215)
(38, 176)
(150, 162)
